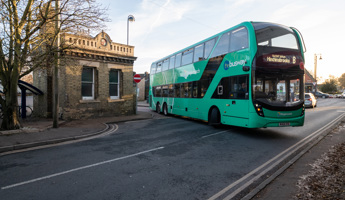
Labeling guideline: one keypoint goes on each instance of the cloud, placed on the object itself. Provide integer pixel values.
(153, 15)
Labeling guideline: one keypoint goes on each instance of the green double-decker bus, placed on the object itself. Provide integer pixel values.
(251, 75)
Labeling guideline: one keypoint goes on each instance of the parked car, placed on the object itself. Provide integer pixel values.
(342, 95)
(310, 100)
(321, 94)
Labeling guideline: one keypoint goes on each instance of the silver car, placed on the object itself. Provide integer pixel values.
(310, 100)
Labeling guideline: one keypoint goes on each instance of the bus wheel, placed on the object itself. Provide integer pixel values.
(165, 109)
(158, 108)
(214, 117)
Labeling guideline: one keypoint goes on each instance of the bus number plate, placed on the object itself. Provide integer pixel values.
(284, 124)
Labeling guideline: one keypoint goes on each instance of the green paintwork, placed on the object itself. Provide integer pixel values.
(235, 112)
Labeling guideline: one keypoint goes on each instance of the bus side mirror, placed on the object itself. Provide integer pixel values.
(246, 68)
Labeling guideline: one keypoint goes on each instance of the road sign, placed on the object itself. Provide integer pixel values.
(137, 78)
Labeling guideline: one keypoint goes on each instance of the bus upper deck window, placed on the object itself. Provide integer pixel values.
(178, 60)
(222, 46)
(239, 39)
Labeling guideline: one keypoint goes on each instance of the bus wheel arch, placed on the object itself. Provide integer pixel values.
(165, 109)
(214, 117)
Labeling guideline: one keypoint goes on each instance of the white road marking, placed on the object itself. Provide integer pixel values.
(79, 168)
(271, 163)
(213, 134)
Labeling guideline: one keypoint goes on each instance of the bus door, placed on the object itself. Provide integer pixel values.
(233, 95)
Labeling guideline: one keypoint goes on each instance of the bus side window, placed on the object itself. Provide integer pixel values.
(187, 57)
(208, 47)
(158, 91)
(190, 85)
(195, 89)
(165, 91)
(199, 53)
(171, 90)
(204, 83)
(239, 39)
(222, 46)
(178, 60)
(159, 67)
(165, 64)
(185, 90)
(172, 62)
(177, 90)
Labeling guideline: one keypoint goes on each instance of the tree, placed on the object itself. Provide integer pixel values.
(330, 86)
(27, 38)
(341, 81)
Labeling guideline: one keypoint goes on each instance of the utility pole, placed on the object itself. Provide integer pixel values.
(315, 66)
(56, 67)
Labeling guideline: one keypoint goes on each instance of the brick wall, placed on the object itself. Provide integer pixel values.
(102, 58)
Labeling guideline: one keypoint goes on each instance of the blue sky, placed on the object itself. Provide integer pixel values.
(165, 26)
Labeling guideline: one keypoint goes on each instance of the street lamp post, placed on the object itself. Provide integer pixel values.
(129, 19)
(315, 65)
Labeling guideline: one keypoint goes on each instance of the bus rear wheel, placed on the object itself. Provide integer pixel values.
(158, 108)
(214, 117)
(165, 109)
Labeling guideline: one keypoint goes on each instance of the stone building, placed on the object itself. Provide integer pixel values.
(95, 79)
(143, 86)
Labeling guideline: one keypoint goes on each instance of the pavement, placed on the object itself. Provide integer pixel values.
(39, 132)
(36, 133)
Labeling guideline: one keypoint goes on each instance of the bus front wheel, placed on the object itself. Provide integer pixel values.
(214, 117)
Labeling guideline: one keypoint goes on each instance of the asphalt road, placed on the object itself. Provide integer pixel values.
(162, 158)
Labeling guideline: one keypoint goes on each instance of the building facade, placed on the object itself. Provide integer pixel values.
(143, 87)
(95, 79)
(310, 83)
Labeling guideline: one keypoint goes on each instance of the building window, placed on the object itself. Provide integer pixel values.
(88, 83)
(114, 80)
(111, 47)
(70, 40)
(88, 43)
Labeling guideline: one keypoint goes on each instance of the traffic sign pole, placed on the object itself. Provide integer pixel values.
(136, 98)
